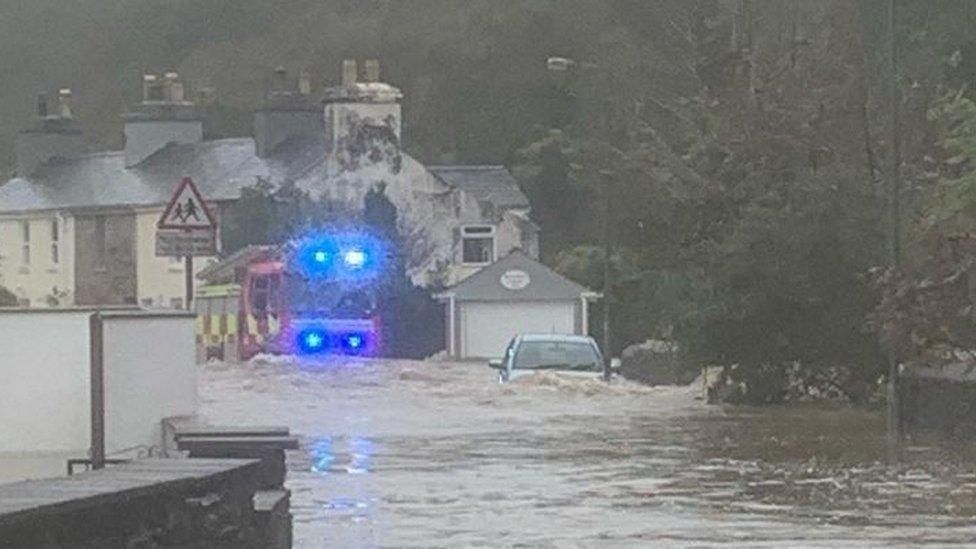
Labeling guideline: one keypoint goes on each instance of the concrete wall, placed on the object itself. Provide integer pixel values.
(45, 399)
(40, 279)
(105, 260)
(159, 280)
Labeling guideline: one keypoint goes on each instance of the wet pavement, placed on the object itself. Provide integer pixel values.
(412, 454)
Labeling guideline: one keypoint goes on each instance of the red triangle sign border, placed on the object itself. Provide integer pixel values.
(211, 223)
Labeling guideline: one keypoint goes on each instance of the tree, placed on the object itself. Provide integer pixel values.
(7, 298)
(413, 322)
(268, 214)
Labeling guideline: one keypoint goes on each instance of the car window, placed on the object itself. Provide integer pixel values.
(535, 355)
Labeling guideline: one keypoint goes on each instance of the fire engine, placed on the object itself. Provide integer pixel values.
(316, 295)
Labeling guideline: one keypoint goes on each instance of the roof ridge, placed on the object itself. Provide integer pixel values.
(467, 167)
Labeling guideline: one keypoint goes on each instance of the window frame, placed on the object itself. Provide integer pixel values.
(25, 242)
(479, 232)
(55, 242)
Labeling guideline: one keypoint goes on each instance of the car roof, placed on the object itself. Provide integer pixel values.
(568, 338)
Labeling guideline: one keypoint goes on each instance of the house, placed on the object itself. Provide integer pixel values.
(79, 228)
(514, 295)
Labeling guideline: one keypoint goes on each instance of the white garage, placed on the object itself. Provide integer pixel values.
(514, 295)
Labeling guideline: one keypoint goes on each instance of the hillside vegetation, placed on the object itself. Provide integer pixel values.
(737, 152)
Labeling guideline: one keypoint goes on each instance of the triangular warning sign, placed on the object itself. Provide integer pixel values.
(187, 210)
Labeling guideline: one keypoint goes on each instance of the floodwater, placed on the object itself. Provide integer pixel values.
(430, 454)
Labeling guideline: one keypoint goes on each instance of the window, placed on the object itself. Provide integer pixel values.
(557, 355)
(477, 245)
(25, 256)
(55, 242)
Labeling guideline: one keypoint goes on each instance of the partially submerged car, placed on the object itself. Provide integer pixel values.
(527, 354)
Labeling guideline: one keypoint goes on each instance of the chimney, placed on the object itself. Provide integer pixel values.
(372, 70)
(348, 72)
(280, 81)
(287, 113)
(174, 88)
(64, 104)
(42, 105)
(164, 117)
(52, 138)
(350, 108)
(305, 83)
(152, 89)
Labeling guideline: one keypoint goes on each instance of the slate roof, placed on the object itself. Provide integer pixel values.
(220, 168)
(544, 283)
(493, 184)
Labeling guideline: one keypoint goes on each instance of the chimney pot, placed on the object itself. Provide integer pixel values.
(64, 103)
(348, 72)
(372, 70)
(42, 105)
(305, 83)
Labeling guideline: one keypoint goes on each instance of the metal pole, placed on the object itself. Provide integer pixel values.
(189, 283)
(894, 210)
(96, 349)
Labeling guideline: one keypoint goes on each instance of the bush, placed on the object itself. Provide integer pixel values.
(7, 298)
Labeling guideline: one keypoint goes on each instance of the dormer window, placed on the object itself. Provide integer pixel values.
(478, 245)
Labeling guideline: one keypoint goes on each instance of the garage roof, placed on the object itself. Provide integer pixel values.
(517, 269)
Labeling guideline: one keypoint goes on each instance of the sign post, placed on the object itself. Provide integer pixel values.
(186, 228)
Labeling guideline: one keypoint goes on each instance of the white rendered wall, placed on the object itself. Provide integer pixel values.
(150, 374)
(45, 395)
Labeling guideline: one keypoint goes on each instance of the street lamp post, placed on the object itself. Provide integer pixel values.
(564, 64)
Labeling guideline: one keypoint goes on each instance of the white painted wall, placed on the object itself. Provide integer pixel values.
(45, 397)
(150, 374)
(159, 280)
(41, 276)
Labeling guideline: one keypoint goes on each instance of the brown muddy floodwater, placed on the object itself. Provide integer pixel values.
(414, 454)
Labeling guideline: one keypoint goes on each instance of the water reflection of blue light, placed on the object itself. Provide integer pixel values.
(322, 456)
(361, 461)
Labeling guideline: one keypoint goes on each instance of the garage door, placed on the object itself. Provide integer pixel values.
(486, 328)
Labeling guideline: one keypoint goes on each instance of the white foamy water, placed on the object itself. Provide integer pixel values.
(429, 454)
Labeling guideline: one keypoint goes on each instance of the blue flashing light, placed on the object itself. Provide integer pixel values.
(354, 342)
(312, 341)
(355, 258)
(340, 256)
